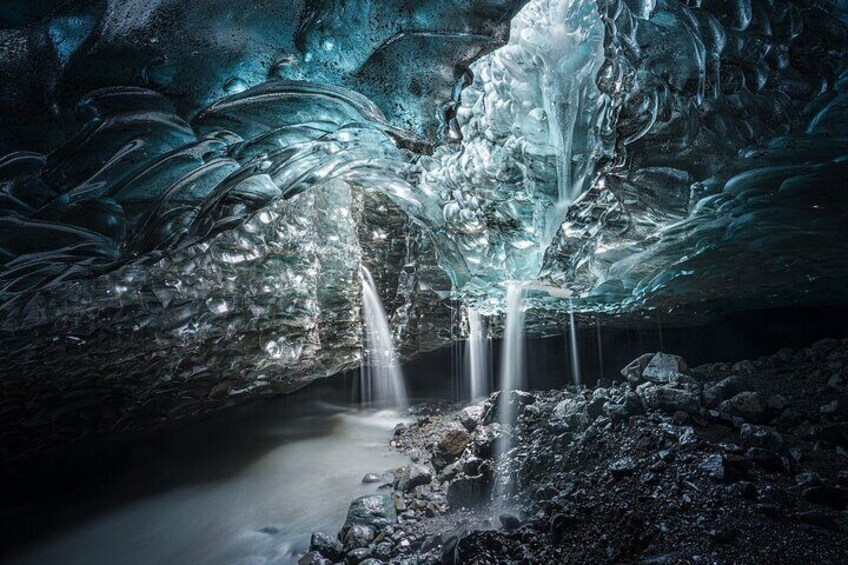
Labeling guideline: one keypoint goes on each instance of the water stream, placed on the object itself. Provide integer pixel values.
(513, 376)
(478, 355)
(382, 378)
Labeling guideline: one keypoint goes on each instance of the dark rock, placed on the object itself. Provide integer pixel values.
(509, 522)
(371, 478)
(375, 510)
(669, 398)
(818, 519)
(760, 436)
(633, 371)
(808, 479)
(559, 525)
(765, 458)
(471, 416)
(326, 545)
(723, 468)
(450, 448)
(357, 556)
(412, 476)
(743, 489)
(371, 561)
(663, 366)
(622, 467)
(751, 406)
(383, 550)
(832, 497)
(470, 492)
(720, 391)
(358, 536)
(835, 434)
(313, 558)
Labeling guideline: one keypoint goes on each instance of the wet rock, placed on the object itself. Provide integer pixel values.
(765, 458)
(720, 391)
(633, 371)
(751, 406)
(663, 366)
(469, 492)
(358, 536)
(723, 468)
(371, 478)
(835, 434)
(743, 489)
(818, 519)
(326, 545)
(622, 467)
(450, 448)
(832, 497)
(412, 476)
(371, 561)
(743, 368)
(383, 550)
(375, 510)
(669, 398)
(357, 556)
(313, 558)
(509, 522)
(760, 436)
(471, 416)
(808, 479)
(776, 403)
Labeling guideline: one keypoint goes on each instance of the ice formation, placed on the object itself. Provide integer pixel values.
(189, 188)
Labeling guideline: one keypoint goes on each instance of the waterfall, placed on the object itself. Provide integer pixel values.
(575, 357)
(512, 359)
(478, 355)
(382, 379)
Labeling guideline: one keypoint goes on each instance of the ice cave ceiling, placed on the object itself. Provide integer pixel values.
(188, 187)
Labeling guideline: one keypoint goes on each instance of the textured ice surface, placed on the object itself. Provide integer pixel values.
(188, 189)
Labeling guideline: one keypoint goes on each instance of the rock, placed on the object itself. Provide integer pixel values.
(471, 416)
(371, 478)
(469, 492)
(451, 471)
(835, 434)
(720, 391)
(375, 510)
(808, 479)
(765, 458)
(509, 522)
(622, 467)
(412, 476)
(743, 368)
(371, 561)
(668, 398)
(832, 497)
(833, 408)
(358, 536)
(760, 436)
(777, 404)
(818, 519)
(357, 556)
(743, 489)
(383, 550)
(721, 468)
(751, 406)
(450, 448)
(326, 545)
(313, 558)
(663, 366)
(633, 371)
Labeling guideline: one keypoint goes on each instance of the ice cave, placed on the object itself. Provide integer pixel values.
(423, 282)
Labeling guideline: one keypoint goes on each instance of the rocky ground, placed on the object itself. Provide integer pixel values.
(743, 463)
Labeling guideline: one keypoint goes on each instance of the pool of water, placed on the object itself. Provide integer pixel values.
(246, 489)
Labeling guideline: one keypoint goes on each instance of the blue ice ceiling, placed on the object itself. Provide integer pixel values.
(189, 187)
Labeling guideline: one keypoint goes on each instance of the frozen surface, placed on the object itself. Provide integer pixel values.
(188, 191)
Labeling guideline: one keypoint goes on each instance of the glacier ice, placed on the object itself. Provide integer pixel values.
(189, 188)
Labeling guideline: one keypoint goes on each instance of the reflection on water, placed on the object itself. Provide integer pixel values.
(248, 490)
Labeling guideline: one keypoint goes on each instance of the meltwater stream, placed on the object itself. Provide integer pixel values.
(241, 490)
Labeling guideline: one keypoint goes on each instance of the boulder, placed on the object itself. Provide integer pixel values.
(313, 558)
(760, 436)
(663, 366)
(471, 416)
(622, 467)
(374, 510)
(720, 391)
(470, 491)
(412, 476)
(358, 536)
(669, 398)
(633, 371)
(751, 406)
(326, 545)
(450, 447)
